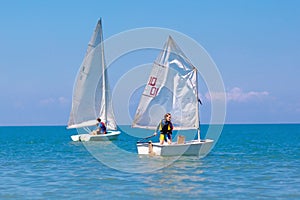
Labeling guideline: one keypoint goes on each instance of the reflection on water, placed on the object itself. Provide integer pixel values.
(117, 158)
(184, 176)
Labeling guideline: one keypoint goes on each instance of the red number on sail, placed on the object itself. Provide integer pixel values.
(153, 91)
(152, 81)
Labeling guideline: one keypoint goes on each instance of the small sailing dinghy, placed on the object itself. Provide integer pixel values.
(91, 95)
(172, 87)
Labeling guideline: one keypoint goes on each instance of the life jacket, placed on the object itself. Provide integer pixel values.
(165, 126)
(102, 127)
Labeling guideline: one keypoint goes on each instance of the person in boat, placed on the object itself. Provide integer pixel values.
(165, 128)
(101, 128)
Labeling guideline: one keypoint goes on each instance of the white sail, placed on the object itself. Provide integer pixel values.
(172, 87)
(91, 98)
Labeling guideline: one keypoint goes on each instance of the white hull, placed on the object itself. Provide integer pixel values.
(110, 135)
(189, 148)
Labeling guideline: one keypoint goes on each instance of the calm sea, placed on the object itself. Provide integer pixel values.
(248, 161)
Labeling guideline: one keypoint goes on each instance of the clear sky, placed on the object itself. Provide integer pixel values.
(255, 45)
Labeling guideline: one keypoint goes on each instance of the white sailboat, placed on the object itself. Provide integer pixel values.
(91, 95)
(172, 87)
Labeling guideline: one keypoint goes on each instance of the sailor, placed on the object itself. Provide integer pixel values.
(101, 128)
(165, 127)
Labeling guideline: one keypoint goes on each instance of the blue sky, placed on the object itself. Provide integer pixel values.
(255, 45)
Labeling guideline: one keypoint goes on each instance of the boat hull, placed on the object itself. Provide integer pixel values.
(110, 135)
(189, 148)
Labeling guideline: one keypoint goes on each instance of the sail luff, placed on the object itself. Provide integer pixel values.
(103, 114)
(96, 38)
(104, 86)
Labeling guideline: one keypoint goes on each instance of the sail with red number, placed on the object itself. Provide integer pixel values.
(172, 87)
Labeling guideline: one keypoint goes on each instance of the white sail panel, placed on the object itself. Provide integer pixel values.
(149, 106)
(105, 110)
(91, 97)
(96, 38)
(85, 88)
(171, 87)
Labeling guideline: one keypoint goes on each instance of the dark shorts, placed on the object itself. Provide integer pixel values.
(169, 135)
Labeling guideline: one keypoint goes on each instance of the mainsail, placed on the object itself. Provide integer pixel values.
(91, 95)
(172, 87)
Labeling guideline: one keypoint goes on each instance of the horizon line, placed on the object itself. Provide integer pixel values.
(231, 123)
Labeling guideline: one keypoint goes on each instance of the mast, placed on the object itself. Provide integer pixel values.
(106, 110)
(197, 103)
(104, 75)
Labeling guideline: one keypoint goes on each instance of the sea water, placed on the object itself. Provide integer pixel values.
(248, 161)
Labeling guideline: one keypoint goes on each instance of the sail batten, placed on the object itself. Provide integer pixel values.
(171, 87)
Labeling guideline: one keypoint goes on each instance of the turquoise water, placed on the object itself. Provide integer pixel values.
(248, 161)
